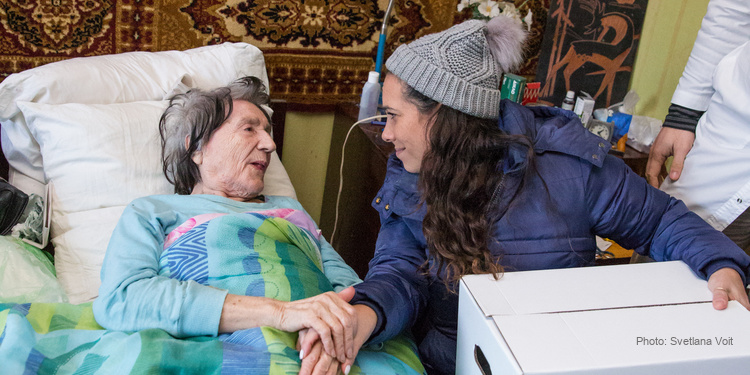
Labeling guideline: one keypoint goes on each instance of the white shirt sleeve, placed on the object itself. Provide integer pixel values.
(725, 27)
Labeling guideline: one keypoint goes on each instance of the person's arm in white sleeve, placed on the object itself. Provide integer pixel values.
(725, 27)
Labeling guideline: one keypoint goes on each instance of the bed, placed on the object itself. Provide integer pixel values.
(87, 129)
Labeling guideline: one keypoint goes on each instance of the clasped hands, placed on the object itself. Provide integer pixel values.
(331, 331)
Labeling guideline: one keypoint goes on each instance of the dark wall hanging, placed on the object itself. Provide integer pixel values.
(589, 45)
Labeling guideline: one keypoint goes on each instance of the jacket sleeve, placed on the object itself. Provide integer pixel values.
(725, 27)
(625, 208)
(395, 287)
(133, 296)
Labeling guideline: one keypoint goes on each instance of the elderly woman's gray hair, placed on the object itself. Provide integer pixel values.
(190, 120)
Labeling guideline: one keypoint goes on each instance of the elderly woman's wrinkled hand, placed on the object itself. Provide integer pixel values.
(366, 321)
(330, 316)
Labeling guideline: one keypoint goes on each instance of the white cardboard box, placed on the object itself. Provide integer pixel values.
(650, 318)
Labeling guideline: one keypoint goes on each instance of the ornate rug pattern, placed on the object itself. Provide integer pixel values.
(317, 51)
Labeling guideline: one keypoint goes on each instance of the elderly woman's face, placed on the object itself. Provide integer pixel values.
(235, 159)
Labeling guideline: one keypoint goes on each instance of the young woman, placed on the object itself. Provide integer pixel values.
(483, 185)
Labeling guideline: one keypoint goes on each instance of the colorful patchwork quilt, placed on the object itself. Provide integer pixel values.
(274, 254)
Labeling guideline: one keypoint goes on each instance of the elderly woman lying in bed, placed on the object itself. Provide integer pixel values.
(218, 257)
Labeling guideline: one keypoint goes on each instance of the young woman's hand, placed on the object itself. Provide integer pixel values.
(726, 285)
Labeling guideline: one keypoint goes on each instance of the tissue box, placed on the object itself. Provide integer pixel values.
(650, 318)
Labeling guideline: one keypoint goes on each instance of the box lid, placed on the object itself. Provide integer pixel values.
(589, 288)
(650, 318)
(678, 339)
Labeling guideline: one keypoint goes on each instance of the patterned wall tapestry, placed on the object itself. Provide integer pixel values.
(317, 51)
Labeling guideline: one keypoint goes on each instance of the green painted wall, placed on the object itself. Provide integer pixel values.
(669, 32)
(307, 138)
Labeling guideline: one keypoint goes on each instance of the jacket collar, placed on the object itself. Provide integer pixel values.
(550, 129)
(400, 177)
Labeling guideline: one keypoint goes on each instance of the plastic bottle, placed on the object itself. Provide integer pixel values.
(368, 104)
(568, 101)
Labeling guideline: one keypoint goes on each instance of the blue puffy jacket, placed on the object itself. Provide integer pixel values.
(578, 192)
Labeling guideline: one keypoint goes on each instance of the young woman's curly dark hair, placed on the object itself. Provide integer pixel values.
(460, 174)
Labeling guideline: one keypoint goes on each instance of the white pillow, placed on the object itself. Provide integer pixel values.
(98, 158)
(79, 250)
(119, 78)
(99, 155)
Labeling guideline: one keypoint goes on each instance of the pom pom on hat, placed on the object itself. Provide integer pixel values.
(506, 37)
(461, 67)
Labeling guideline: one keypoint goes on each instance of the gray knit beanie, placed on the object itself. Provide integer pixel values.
(461, 67)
